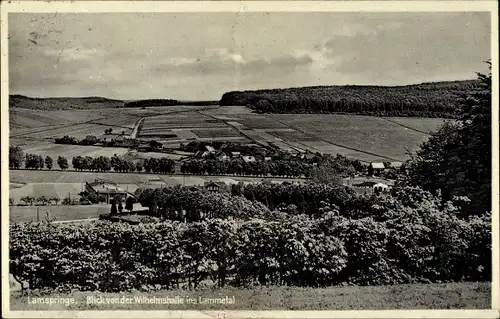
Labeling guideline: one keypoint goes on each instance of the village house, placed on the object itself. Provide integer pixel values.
(376, 168)
(107, 189)
(235, 154)
(214, 187)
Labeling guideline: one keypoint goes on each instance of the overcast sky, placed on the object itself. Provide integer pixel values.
(202, 55)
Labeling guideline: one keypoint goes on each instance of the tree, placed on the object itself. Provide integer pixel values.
(120, 206)
(48, 162)
(457, 158)
(11, 201)
(28, 200)
(138, 167)
(114, 210)
(43, 200)
(77, 163)
(62, 162)
(129, 203)
(16, 157)
(325, 174)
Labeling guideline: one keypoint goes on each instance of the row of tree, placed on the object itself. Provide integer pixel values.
(33, 161)
(423, 100)
(239, 167)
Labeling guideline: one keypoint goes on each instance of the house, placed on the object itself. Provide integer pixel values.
(267, 158)
(212, 186)
(248, 159)
(107, 189)
(399, 166)
(235, 154)
(376, 168)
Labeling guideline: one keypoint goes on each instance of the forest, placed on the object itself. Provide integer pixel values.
(439, 99)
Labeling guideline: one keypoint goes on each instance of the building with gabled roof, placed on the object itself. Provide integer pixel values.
(376, 168)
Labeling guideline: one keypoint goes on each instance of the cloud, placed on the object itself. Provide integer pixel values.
(217, 60)
(397, 51)
(73, 54)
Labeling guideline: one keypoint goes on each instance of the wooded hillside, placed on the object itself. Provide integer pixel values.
(437, 99)
(62, 103)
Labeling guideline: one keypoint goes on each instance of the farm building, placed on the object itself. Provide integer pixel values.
(107, 189)
(376, 168)
(235, 154)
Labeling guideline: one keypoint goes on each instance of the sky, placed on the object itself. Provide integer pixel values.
(200, 56)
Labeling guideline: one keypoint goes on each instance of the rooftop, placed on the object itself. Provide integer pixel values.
(377, 165)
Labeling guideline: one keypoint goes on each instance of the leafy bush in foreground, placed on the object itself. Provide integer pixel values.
(408, 246)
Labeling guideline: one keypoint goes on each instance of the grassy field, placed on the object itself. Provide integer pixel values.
(60, 190)
(416, 296)
(360, 133)
(225, 132)
(59, 212)
(425, 125)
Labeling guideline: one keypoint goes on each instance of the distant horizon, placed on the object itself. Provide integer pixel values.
(200, 56)
(241, 90)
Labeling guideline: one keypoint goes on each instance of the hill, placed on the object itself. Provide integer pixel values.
(62, 103)
(437, 99)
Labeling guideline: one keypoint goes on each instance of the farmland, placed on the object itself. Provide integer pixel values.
(358, 137)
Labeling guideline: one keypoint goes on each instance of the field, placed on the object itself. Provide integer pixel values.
(60, 190)
(359, 137)
(416, 296)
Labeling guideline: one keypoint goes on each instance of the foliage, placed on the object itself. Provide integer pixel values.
(237, 166)
(181, 203)
(62, 162)
(153, 102)
(457, 158)
(16, 157)
(48, 162)
(412, 245)
(422, 100)
(33, 161)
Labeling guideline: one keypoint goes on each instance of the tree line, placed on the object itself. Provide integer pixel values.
(289, 168)
(88, 163)
(422, 100)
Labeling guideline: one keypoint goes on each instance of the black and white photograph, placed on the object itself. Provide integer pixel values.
(240, 162)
